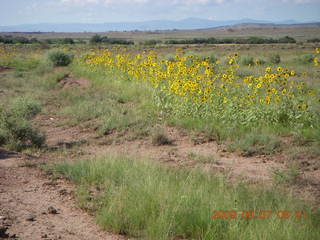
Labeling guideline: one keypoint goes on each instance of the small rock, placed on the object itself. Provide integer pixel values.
(52, 210)
(3, 218)
(44, 236)
(31, 218)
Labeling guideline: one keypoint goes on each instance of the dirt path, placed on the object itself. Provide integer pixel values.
(34, 207)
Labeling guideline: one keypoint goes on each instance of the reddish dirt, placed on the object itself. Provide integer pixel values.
(5, 69)
(69, 82)
(28, 201)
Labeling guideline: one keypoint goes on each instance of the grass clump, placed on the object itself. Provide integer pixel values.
(16, 130)
(275, 59)
(256, 144)
(285, 176)
(144, 200)
(247, 61)
(59, 58)
(202, 158)
(159, 138)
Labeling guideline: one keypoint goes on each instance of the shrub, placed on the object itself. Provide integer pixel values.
(16, 129)
(67, 41)
(59, 57)
(275, 59)
(96, 39)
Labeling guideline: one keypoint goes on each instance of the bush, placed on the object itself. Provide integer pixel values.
(16, 129)
(275, 59)
(67, 41)
(59, 57)
(96, 39)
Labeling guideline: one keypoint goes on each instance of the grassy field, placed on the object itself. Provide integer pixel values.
(254, 100)
(299, 33)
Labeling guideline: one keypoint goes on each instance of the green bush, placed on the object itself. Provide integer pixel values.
(275, 59)
(59, 57)
(16, 129)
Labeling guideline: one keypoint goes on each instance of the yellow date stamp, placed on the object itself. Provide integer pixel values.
(261, 214)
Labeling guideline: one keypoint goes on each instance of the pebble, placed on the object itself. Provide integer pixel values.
(52, 210)
(31, 218)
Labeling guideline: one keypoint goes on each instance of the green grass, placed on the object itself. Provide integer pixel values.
(144, 200)
(203, 158)
(256, 144)
(16, 129)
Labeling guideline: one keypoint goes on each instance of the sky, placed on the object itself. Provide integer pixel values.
(14, 12)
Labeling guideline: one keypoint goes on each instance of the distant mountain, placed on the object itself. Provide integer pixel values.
(189, 23)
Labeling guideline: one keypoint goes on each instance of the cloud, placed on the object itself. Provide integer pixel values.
(119, 2)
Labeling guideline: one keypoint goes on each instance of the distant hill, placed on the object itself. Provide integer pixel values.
(185, 24)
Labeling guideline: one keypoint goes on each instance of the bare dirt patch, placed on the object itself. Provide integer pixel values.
(33, 207)
(70, 81)
(5, 69)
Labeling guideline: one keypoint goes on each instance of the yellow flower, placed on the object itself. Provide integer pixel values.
(284, 91)
(277, 99)
(267, 99)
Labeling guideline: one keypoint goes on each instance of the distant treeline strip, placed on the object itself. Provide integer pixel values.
(23, 40)
(96, 39)
(250, 40)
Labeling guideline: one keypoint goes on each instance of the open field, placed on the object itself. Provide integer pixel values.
(196, 141)
(300, 33)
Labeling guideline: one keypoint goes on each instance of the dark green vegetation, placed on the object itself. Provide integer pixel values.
(59, 58)
(142, 199)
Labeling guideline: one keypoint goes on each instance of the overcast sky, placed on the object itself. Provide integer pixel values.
(93, 11)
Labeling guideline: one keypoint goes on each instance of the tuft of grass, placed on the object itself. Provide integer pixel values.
(144, 200)
(286, 176)
(256, 144)
(16, 130)
(202, 158)
(247, 61)
(159, 138)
